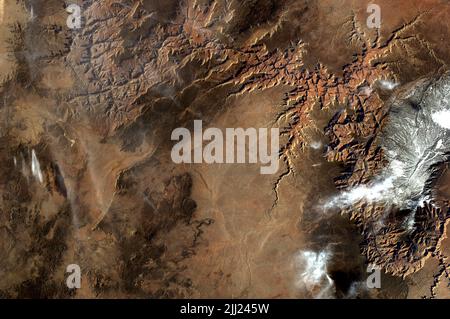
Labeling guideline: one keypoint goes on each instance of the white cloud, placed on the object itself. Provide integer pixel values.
(442, 118)
(316, 145)
(312, 273)
(36, 167)
(388, 85)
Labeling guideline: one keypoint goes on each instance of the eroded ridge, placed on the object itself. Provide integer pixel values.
(399, 219)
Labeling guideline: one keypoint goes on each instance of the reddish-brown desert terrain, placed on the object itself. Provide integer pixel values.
(87, 177)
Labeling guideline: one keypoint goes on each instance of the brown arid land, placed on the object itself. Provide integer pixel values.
(86, 117)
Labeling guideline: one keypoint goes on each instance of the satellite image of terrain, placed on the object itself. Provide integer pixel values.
(102, 102)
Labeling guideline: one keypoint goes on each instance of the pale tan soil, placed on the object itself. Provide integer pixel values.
(97, 105)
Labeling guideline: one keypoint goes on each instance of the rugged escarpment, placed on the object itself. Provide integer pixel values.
(87, 178)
